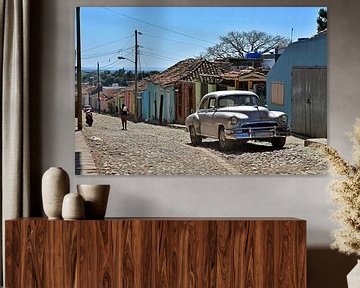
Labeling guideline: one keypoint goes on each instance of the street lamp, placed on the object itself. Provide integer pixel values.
(135, 92)
(123, 58)
(136, 74)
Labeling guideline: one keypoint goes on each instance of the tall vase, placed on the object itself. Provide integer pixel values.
(55, 185)
(353, 278)
(96, 198)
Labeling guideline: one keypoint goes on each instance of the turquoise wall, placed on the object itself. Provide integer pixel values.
(154, 95)
(145, 105)
(152, 101)
(311, 52)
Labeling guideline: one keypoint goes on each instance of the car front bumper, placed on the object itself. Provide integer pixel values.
(257, 133)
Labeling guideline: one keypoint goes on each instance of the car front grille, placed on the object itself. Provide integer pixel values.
(256, 115)
(267, 124)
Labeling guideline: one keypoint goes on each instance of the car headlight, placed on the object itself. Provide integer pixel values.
(283, 118)
(233, 120)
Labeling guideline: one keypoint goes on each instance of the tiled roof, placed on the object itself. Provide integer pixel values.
(142, 84)
(188, 70)
(236, 74)
(88, 88)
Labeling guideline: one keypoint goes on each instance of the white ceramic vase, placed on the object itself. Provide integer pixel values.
(353, 278)
(73, 207)
(54, 186)
(96, 198)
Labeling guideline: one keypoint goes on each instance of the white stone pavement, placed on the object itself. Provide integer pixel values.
(84, 163)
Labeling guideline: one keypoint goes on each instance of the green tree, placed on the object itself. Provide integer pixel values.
(322, 20)
(109, 77)
(237, 44)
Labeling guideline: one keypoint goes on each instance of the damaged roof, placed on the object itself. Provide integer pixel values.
(244, 73)
(189, 70)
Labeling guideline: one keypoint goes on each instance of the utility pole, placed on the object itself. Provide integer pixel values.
(98, 85)
(136, 76)
(78, 105)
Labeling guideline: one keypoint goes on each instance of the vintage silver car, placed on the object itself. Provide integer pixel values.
(235, 116)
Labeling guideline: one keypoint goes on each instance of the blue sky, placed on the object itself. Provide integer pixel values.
(171, 34)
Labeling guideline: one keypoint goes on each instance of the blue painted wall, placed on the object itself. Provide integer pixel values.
(310, 52)
(145, 105)
(152, 101)
(154, 94)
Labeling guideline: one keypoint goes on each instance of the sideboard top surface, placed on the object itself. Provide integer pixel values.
(173, 219)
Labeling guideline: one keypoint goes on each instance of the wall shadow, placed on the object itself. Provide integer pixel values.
(328, 268)
(35, 105)
(77, 163)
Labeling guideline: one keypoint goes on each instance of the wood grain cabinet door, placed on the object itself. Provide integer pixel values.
(174, 253)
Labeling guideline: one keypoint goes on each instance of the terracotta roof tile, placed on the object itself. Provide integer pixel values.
(142, 85)
(187, 70)
(235, 74)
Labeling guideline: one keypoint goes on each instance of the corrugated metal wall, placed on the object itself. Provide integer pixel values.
(309, 93)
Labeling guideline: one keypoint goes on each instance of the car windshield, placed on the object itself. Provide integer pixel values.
(238, 100)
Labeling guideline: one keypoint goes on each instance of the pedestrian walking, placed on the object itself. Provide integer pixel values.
(124, 114)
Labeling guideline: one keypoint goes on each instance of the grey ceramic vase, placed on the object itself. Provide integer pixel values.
(96, 198)
(73, 207)
(54, 186)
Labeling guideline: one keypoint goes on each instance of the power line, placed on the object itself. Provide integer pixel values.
(126, 49)
(91, 56)
(159, 57)
(107, 43)
(110, 65)
(113, 52)
(177, 41)
(162, 51)
(158, 26)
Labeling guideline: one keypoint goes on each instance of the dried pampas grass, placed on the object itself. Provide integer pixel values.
(345, 192)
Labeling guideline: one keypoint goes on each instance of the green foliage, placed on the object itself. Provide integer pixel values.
(322, 20)
(108, 78)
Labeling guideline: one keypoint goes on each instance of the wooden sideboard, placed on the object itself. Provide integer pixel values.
(156, 252)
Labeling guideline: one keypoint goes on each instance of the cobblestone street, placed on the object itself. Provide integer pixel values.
(146, 149)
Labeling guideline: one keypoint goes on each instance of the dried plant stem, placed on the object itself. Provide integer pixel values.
(345, 192)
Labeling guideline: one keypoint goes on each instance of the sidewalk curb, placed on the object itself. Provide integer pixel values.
(84, 162)
(322, 141)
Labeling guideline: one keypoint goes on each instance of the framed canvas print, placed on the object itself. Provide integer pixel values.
(200, 90)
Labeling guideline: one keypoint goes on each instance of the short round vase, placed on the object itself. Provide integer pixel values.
(96, 198)
(54, 186)
(73, 207)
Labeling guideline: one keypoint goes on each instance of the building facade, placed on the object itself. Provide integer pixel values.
(297, 85)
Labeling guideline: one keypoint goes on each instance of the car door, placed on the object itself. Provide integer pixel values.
(211, 128)
(207, 118)
(201, 114)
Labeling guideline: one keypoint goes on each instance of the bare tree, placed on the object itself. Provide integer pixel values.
(237, 44)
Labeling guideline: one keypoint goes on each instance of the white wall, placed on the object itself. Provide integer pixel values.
(304, 197)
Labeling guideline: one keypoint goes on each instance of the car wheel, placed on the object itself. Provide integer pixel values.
(278, 142)
(224, 144)
(195, 139)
